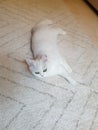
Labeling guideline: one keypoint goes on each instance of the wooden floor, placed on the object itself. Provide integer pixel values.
(86, 17)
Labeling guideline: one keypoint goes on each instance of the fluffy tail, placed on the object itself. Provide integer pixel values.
(41, 24)
(44, 23)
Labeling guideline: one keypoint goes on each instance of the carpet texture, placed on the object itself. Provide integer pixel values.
(27, 103)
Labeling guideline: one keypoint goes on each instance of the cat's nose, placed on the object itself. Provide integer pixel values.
(42, 75)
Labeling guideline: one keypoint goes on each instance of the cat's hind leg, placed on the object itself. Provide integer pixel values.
(66, 66)
(66, 76)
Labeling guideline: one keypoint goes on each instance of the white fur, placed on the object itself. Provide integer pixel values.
(44, 42)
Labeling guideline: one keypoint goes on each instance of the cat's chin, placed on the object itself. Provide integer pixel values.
(39, 76)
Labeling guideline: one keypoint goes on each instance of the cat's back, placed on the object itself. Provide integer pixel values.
(43, 34)
(44, 40)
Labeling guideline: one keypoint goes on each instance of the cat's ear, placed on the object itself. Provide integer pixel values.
(30, 62)
(44, 58)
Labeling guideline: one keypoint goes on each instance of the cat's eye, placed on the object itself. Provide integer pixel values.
(44, 70)
(36, 72)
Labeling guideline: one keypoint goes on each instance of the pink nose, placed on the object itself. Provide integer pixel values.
(42, 75)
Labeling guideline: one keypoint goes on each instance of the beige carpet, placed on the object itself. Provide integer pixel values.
(27, 103)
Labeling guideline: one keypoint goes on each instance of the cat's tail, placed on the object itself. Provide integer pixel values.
(44, 23)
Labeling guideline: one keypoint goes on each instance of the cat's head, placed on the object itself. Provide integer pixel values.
(38, 66)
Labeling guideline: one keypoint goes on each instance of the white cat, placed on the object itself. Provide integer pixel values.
(47, 60)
